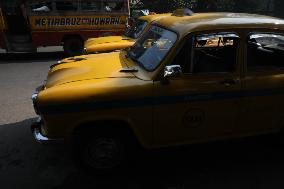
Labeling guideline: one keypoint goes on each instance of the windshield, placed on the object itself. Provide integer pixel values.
(137, 29)
(152, 47)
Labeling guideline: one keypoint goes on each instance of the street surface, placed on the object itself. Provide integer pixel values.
(253, 163)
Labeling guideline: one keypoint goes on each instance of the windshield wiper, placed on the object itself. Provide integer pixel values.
(128, 70)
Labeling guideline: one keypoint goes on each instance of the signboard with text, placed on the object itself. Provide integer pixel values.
(77, 22)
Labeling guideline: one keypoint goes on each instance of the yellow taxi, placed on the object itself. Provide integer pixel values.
(111, 43)
(190, 78)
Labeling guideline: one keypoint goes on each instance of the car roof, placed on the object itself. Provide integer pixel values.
(212, 21)
(151, 18)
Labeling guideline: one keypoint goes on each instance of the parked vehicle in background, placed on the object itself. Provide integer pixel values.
(111, 43)
(3, 27)
(28, 24)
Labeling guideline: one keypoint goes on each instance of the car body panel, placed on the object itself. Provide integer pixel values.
(262, 106)
(76, 104)
(103, 44)
(218, 21)
(163, 111)
(202, 108)
(89, 67)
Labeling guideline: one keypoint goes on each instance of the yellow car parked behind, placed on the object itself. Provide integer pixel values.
(111, 43)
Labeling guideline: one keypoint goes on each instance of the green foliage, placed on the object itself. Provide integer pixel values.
(180, 4)
(159, 6)
(249, 5)
(233, 5)
(211, 5)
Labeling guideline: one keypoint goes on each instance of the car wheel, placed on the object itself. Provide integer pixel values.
(73, 46)
(103, 153)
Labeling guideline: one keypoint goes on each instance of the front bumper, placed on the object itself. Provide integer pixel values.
(39, 137)
(35, 97)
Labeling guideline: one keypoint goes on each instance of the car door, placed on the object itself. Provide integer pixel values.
(263, 98)
(202, 103)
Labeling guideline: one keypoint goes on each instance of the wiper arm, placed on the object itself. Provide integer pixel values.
(129, 70)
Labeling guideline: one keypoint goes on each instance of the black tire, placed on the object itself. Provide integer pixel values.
(101, 152)
(73, 46)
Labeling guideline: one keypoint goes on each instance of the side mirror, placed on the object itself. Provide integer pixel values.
(172, 71)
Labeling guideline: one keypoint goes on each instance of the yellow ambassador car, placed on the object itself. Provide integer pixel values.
(190, 78)
(111, 43)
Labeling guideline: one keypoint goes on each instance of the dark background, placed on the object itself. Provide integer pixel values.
(267, 7)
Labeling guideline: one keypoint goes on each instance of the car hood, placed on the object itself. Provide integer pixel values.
(88, 67)
(108, 43)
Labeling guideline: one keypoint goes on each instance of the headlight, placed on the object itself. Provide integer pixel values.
(34, 99)
(85, 51)
(57, 63)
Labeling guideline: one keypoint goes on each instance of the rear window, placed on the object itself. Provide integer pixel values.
(265, 52)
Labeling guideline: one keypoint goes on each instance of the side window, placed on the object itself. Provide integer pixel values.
(183, 57)
(67, 5)
(91, 5)
(214, 53)
(265, 51)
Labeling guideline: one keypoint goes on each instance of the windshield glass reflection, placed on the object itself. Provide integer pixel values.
(137, 29)
(151, 48)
